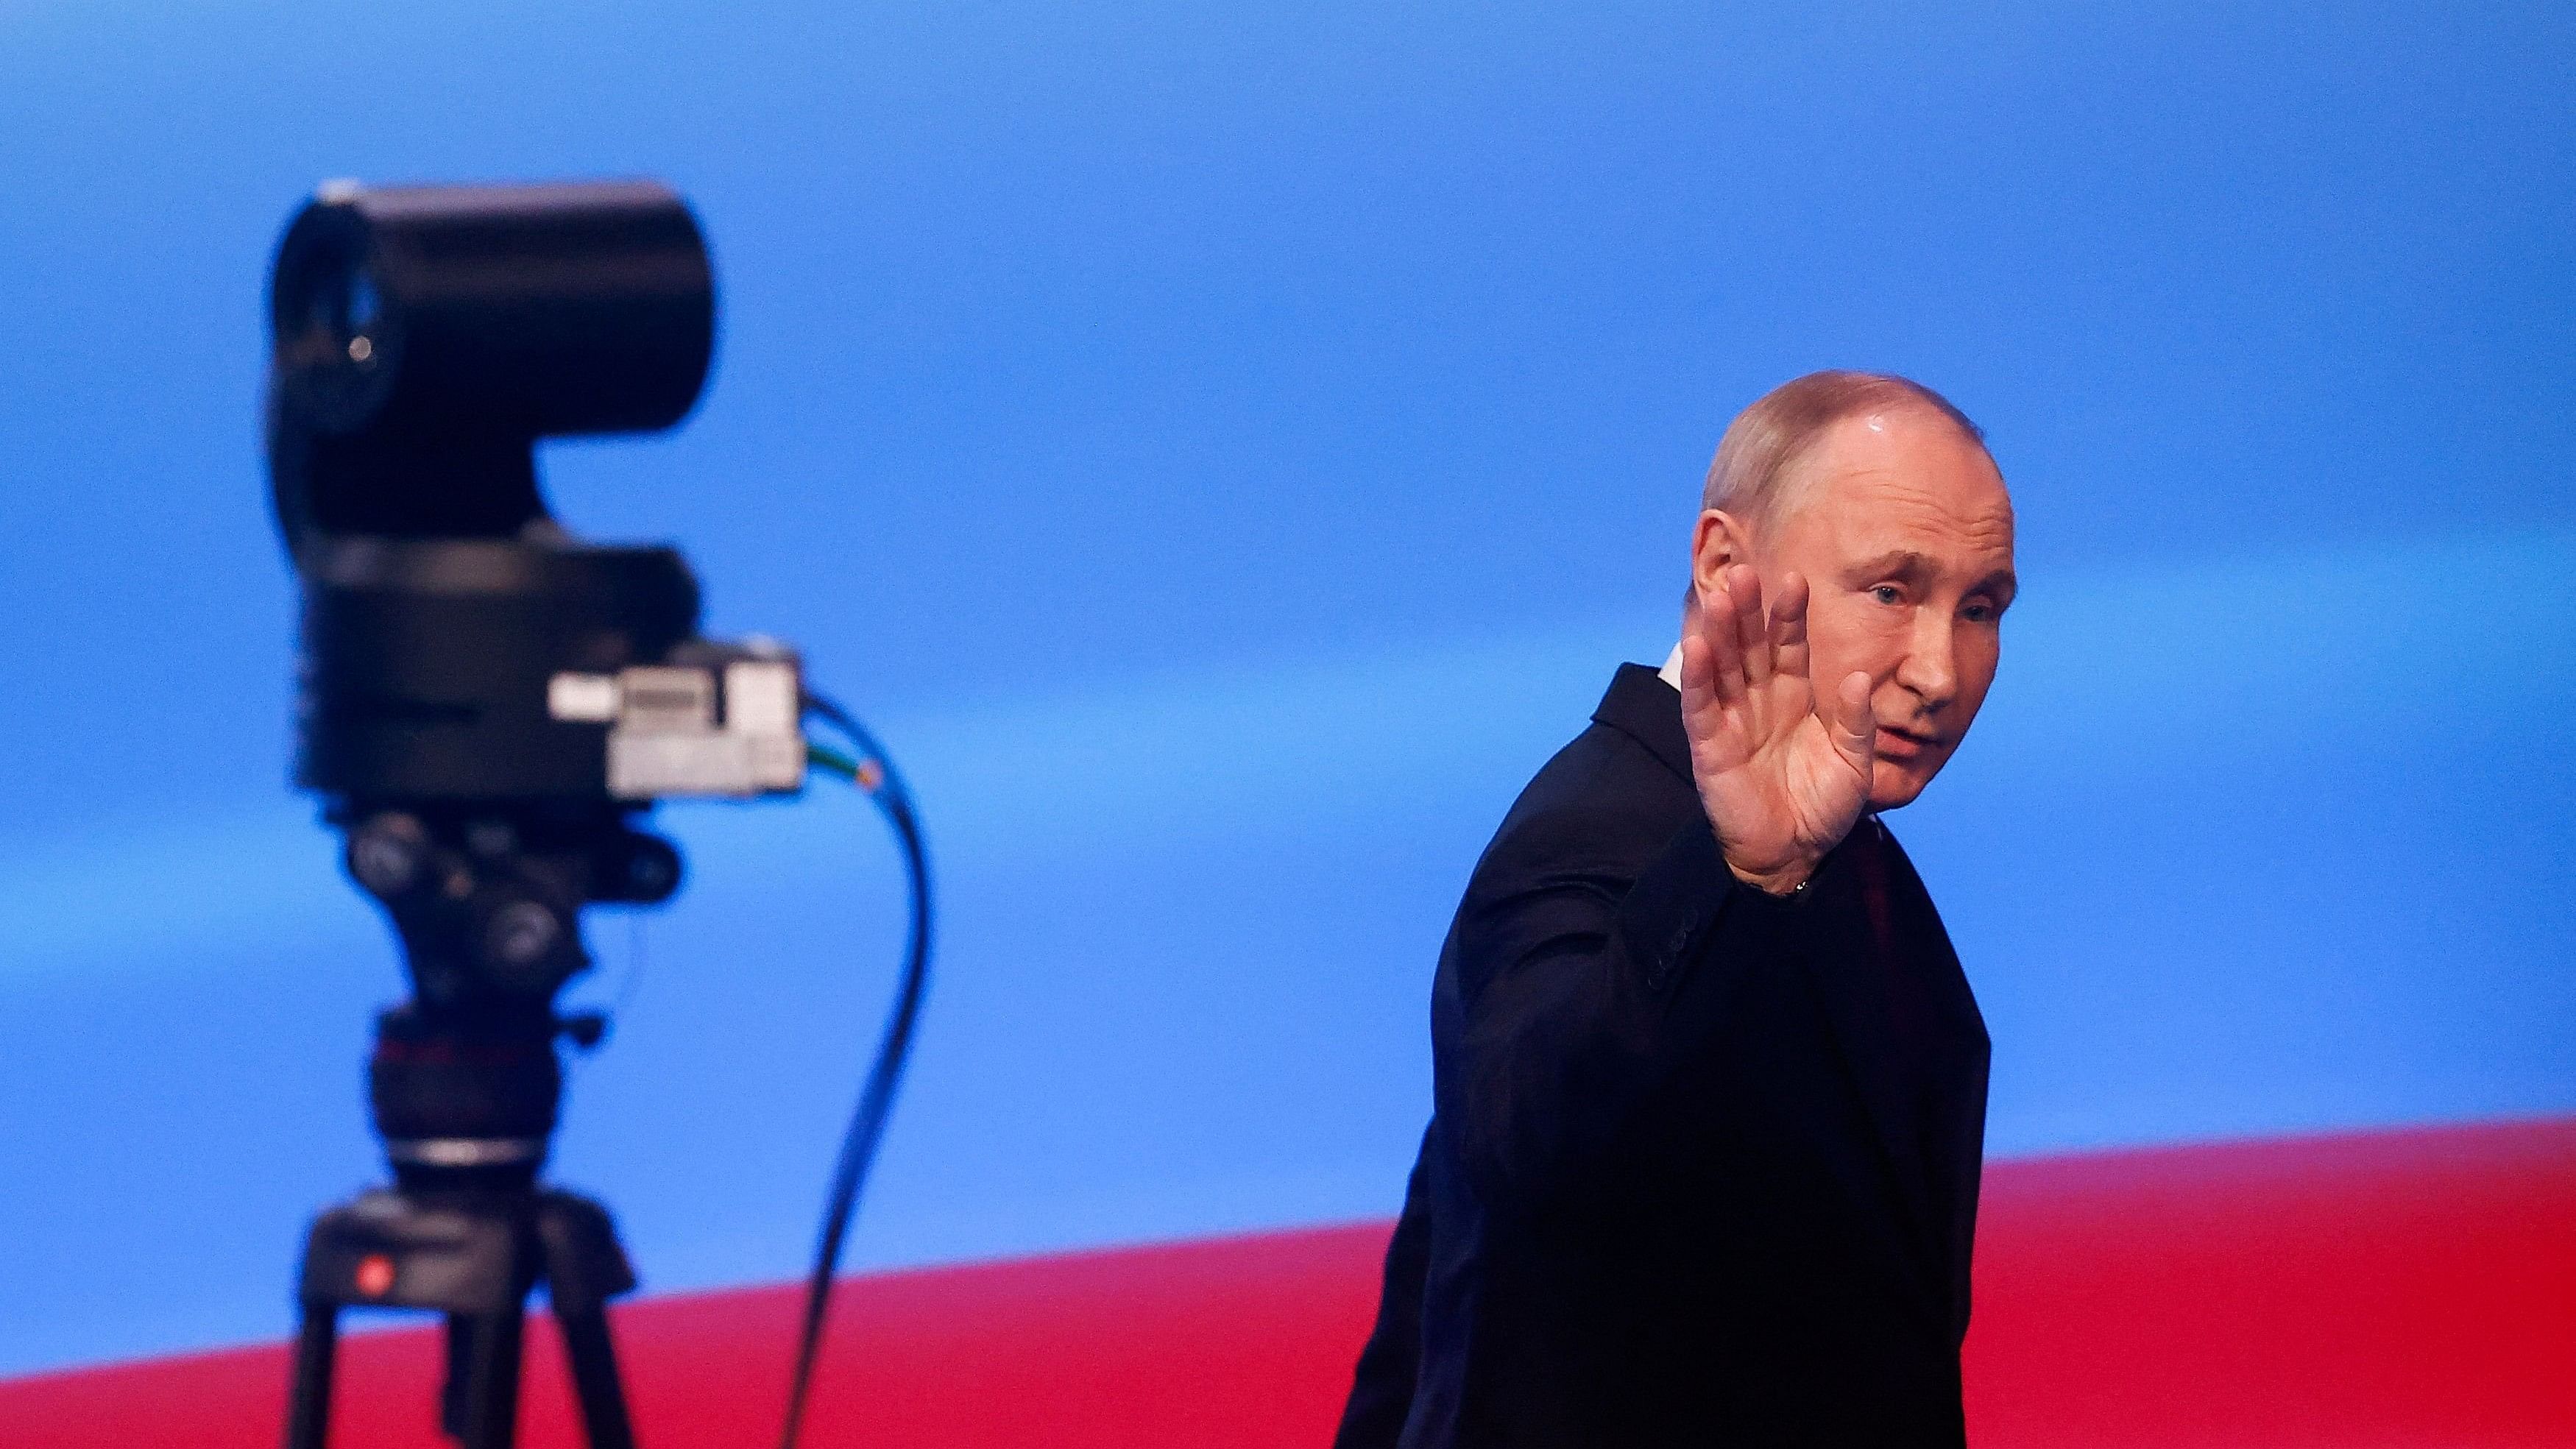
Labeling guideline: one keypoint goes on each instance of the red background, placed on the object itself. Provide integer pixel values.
(2394, 1288)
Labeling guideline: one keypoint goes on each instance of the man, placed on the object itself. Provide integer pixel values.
(1709, 1087)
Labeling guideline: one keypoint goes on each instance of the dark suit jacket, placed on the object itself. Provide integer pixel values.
(1702, 1165)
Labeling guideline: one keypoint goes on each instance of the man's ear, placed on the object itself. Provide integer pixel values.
(1718, 543)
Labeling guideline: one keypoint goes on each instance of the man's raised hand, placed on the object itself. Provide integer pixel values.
(1780, 781)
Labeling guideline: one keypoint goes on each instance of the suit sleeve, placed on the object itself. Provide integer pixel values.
(1382, 1383)
(1577, 981)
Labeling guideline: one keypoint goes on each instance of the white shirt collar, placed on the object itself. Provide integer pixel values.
(1671, 673)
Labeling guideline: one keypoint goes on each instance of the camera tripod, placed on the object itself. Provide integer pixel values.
(487, 704)
(464, 1087)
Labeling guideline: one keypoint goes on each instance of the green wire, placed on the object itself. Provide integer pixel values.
(825, 758)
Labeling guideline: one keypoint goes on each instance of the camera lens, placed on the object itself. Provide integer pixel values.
(334, 340)
(339, 314)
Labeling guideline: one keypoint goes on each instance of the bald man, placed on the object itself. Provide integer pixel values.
(1708, 1085)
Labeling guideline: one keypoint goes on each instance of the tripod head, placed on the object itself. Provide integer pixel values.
(487, 705)
(464, 1083)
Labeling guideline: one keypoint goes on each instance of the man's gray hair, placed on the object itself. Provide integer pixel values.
(1750, 476)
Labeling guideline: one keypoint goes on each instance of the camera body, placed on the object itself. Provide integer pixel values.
(487, 705)
(458, 646)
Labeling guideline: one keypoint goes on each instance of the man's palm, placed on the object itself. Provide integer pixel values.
(1780, 784)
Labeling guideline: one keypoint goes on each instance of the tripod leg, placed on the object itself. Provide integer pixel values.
(593, 1356)
(308, 1403)
(451, 1389)
(486, 1396)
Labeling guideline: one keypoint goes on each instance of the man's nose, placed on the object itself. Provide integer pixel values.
(1930, 668)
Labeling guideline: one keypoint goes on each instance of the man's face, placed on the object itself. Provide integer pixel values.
(1904, 532)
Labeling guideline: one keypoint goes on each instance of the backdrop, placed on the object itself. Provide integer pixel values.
(1224, 452)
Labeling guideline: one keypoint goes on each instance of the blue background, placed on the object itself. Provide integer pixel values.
(1224, 453)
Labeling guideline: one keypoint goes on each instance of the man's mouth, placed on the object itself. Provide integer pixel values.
(1895, 743)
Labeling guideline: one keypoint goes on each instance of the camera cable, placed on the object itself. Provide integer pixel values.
(866, 766)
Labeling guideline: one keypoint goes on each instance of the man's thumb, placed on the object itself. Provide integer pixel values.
(1855, 733)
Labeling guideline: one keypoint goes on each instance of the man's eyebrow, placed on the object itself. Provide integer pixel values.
(1896, 562)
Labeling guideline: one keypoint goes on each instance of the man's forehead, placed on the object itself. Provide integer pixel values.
(1866, 497)
(1921, 540)
(1940, 515)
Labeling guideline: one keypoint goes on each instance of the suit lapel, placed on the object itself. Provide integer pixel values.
(1955, 1154)
(1853, 936)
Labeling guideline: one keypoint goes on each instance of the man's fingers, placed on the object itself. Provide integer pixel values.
(1854, 732)
(1752, 637)
(1789, 627)
(1718, 628)
(1699, 672)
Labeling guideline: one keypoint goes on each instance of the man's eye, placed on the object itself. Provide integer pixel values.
(1887, 594)
(1978, 613)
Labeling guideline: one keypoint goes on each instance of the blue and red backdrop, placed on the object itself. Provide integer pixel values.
(1224, 452)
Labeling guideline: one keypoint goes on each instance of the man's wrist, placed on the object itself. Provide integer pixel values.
(1782, 882)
